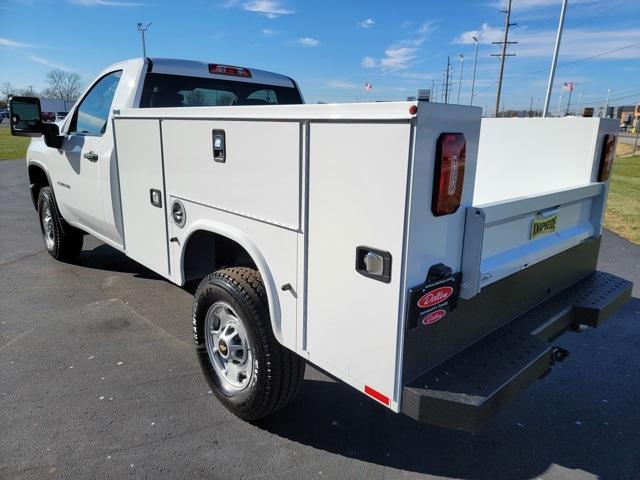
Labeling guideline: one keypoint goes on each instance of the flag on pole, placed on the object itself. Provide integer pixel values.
(567, 86)
(368, 86)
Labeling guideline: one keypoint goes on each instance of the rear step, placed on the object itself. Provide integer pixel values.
(464, 391)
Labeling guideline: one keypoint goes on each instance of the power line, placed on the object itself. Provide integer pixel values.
(591, 57)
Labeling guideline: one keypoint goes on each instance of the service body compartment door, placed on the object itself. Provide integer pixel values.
(140, 169)
(357, 194)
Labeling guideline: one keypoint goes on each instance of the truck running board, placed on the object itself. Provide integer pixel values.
(466, 390)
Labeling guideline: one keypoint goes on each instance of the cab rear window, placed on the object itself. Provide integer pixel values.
(164, 90)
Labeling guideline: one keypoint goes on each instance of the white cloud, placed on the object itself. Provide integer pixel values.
(105, 3)
(268, 8)
(576, 43)
(5, 42)
(427, 27)
(342, 84)
(268, 32)
(486, 34)
(306, 41)
(579, 43)
(48, 63)
(397, 57)
(367, 23)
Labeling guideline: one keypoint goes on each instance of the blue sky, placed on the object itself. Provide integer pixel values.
(333, 47)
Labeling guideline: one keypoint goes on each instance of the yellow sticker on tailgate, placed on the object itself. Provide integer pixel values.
(542, 225)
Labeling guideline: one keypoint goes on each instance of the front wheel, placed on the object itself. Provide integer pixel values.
(62, 241)
(250, 373)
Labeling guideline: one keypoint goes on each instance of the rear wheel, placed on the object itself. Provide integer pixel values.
(248, 370)
(62, 241)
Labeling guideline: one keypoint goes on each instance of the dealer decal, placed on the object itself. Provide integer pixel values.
(431, 301)
(433, 317)
(434, 297)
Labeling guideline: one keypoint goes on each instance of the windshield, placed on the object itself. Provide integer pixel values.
(163, 90)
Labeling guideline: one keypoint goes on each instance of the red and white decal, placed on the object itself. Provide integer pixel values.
(433, 317)
(434, 297)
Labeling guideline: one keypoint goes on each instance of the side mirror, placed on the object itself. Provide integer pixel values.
(25, 116)
(26, 121)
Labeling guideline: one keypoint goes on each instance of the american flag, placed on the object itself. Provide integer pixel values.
(368, 86)
(567, 86)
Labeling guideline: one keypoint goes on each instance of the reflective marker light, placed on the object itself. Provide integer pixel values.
(448, 178)
(606, 160)
(229, 70)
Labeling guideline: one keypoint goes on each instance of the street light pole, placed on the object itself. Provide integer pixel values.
(143, 29)
(475, 64)
(461, 71)
(552, 74)
(579, 103)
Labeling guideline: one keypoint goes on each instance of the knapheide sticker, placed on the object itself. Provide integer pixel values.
(434, 297)
(433, 317)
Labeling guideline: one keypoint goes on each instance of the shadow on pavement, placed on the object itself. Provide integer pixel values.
(335, 418)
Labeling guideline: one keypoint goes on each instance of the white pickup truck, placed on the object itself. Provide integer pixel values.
(421, 254)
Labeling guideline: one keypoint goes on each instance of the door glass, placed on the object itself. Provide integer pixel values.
(92, 114)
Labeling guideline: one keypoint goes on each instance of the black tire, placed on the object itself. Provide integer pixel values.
(277, 371)
(62, 241)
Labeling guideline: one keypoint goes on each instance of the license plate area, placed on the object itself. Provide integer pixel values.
(542, 225)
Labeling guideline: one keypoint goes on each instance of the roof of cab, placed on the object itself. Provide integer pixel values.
(194, 68)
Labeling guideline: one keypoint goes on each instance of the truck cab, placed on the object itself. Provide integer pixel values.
(82, 166)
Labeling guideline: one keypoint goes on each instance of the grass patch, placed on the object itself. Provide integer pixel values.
(12, 148)
(623, 207)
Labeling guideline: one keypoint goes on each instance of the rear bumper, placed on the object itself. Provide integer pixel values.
(465, 390)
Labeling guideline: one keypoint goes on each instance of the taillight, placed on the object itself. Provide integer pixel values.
(229, 70)
(606, 159)
(449, 173)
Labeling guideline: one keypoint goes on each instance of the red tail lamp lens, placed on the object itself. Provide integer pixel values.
(608, 153)
(449, 173)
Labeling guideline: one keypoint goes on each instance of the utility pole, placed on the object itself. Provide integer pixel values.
(554, 61)
(143, 29)
(504, 53)
(530, 108)
(606, 105)
(460, 81)
(446, 84)
(475, 64)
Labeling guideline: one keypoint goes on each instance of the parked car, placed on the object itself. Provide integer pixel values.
(423, 255)
(60, 116)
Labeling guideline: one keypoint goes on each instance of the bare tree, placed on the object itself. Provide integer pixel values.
(63, 85)
(8, 90)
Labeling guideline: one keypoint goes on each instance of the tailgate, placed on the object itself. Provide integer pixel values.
(502, 238)
(536, 194)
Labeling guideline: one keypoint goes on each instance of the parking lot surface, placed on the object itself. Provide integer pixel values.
(99, 379)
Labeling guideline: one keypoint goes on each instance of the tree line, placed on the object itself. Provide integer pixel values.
(60, 84)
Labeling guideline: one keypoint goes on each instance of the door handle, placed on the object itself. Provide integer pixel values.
(219, 146)
(91, 156)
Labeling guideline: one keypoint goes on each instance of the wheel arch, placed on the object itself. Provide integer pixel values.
(38, 178)
(243, 241)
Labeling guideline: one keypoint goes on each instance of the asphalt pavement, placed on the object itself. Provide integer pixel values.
(99, 379)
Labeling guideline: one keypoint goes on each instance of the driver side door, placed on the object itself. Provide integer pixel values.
(84, 149)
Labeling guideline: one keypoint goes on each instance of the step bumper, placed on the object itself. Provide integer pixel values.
(467, 389)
